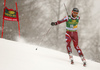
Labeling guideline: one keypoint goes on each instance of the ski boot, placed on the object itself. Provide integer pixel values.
(71, 58)
(83, 60)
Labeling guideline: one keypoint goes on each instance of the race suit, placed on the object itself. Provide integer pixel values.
(71, 32)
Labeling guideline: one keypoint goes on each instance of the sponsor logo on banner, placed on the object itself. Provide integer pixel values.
(10, 14)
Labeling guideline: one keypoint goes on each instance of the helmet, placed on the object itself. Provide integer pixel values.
(75, 9)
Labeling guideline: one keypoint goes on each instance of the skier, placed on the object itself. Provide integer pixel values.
(71, 33)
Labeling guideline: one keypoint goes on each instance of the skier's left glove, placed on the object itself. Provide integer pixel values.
(53, 23)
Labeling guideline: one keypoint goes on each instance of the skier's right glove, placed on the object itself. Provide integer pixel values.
(53, 23)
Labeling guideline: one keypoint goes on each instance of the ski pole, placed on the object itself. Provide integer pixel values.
(44, 36)
(66, 9)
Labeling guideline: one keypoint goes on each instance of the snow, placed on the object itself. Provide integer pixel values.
(22, 56)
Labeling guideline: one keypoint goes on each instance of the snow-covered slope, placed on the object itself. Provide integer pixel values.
(20, 56)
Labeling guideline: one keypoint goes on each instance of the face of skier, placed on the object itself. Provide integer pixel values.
(74, 14)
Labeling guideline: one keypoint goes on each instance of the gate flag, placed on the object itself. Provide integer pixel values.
(10, 14)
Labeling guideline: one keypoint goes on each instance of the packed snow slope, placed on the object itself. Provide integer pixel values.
(21, 56)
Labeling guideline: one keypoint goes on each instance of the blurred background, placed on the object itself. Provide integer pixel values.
(35, 17)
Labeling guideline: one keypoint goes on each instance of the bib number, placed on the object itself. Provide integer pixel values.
(71, 26)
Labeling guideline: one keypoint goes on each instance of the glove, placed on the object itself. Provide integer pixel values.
(53, 23)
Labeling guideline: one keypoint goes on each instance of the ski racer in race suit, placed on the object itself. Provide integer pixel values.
(71, 31)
